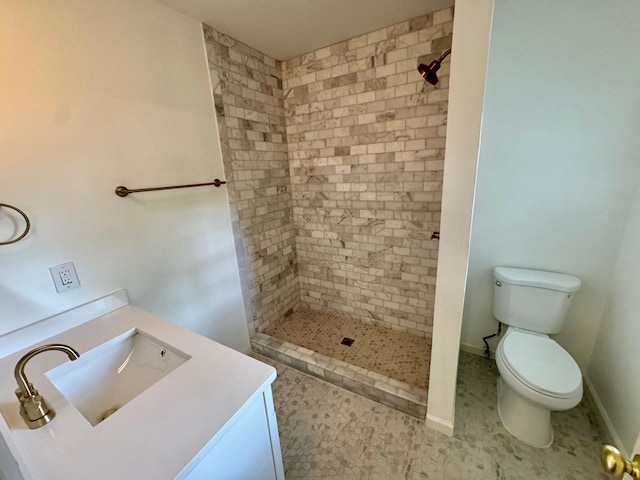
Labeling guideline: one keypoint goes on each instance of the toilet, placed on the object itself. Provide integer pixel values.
(537, 375)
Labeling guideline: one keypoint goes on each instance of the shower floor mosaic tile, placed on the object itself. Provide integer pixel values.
(380, 388)
(398, 355)
(329, 433)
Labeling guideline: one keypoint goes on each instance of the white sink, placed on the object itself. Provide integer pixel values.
(107, 377)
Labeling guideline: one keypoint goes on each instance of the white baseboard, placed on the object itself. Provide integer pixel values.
(603, 418)
(440, 425)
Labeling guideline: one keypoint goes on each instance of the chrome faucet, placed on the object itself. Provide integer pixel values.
(33, 408)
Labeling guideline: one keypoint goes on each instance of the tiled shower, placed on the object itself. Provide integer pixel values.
(334, 161)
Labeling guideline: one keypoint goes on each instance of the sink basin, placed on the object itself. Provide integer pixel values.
(109, 376)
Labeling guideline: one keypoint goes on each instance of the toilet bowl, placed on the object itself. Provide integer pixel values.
(537, 376)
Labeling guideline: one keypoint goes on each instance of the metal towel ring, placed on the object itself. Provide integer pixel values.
(26, 219)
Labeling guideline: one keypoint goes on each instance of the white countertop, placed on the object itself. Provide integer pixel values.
(158, 433)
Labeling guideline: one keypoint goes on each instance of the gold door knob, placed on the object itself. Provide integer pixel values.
(614, 462)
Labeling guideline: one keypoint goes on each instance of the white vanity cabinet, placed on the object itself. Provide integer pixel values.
(210, 417)
(250, 449)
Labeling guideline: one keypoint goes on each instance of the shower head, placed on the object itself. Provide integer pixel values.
(428, 72)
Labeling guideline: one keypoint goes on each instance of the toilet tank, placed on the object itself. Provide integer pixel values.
(532, 299)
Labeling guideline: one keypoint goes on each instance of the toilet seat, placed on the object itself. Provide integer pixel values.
(541, 364)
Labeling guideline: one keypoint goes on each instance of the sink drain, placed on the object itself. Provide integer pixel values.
(109, 412)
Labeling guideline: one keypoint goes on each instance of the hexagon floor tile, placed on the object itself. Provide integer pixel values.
(329, 433)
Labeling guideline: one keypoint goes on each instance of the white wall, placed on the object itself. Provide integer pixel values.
(100, 93)
(471, 27)
(559, 154)
(614, 367)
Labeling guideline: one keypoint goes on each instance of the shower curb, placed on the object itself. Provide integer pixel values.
(401, 396)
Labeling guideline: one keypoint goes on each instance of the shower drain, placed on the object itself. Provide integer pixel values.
(347, 341)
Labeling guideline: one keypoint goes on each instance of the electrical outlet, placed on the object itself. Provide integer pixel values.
(64, 277)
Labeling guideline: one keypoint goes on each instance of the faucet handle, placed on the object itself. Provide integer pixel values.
(20, 394)
(34, 409)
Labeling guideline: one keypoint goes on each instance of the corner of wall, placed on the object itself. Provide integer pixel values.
(472, 26)
(605, 423)
(440, 425)
(248, 101)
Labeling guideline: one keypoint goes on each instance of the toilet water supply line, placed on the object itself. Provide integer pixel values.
(487, 350)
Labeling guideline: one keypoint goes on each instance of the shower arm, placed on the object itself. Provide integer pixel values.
(444, 55)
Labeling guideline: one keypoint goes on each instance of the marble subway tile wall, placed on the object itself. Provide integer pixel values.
(366, 137)
(247, 89)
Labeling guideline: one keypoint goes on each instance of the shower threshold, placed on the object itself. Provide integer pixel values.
(383, 365)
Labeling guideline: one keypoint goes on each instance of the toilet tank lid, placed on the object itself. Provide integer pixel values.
(537, 278)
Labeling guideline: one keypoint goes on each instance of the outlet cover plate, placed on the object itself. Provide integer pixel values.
(64, 277)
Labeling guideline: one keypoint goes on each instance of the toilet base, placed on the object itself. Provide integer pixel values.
(528, 422)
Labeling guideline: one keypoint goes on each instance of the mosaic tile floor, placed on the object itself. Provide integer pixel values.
(329, 433)
(398, 355)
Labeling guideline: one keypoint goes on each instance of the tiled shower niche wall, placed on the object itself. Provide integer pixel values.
(366, 137)
(247, 89)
